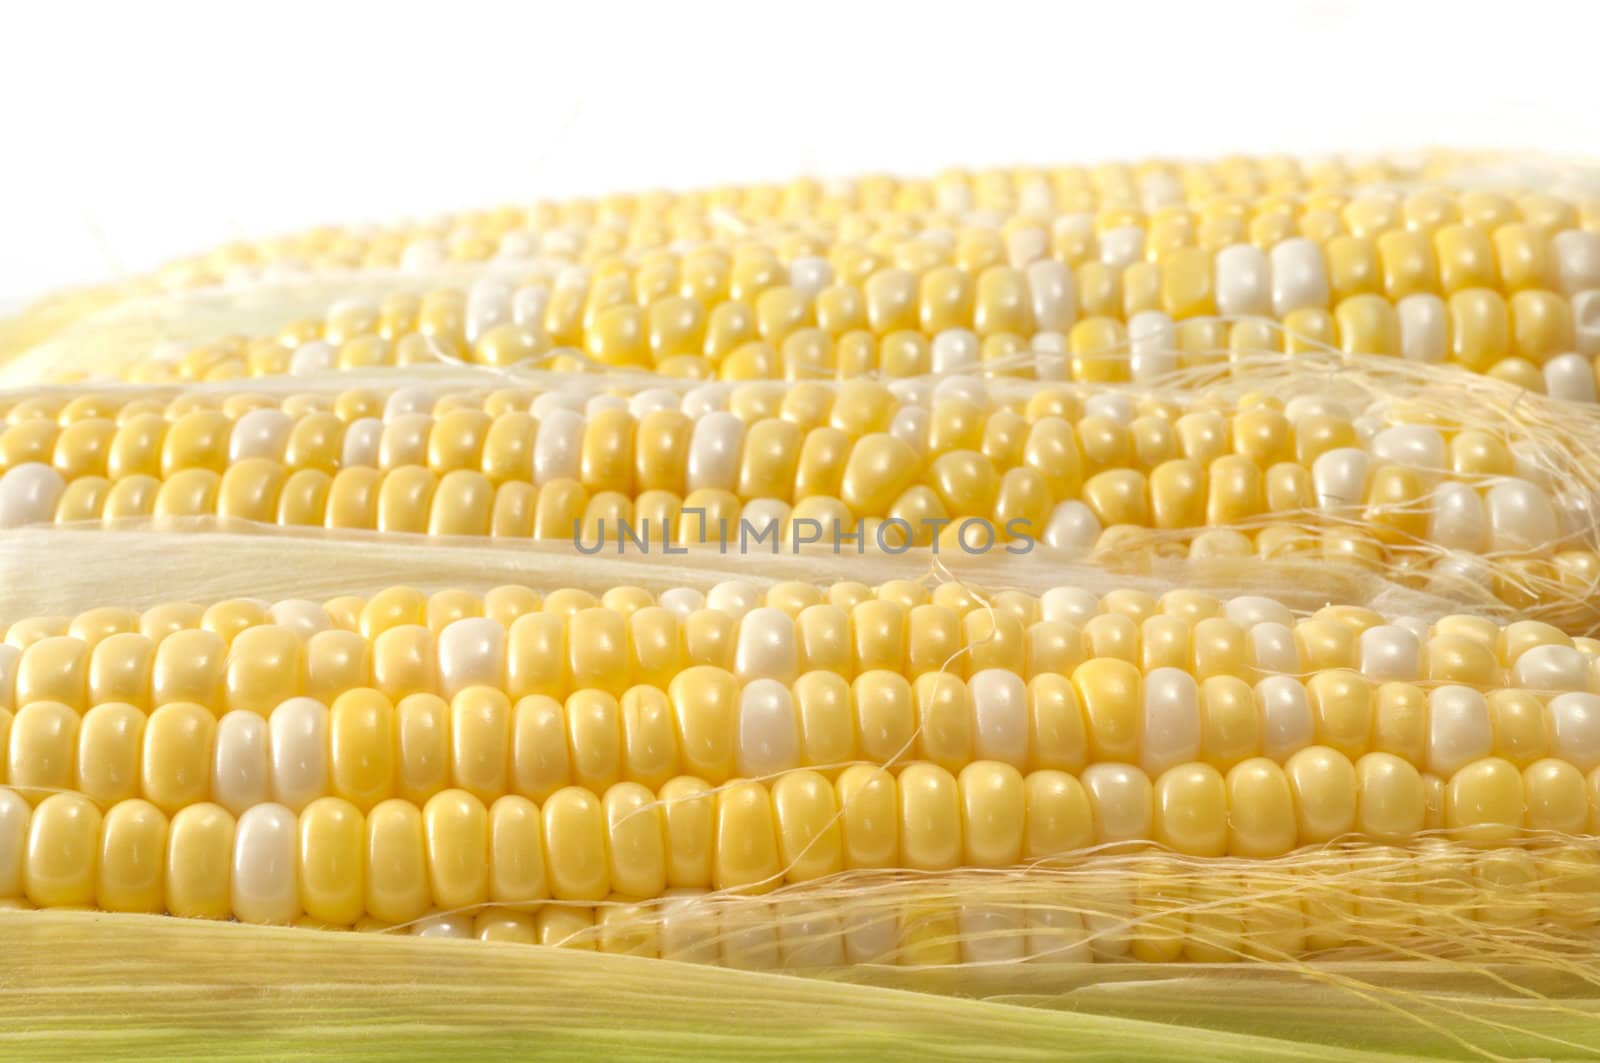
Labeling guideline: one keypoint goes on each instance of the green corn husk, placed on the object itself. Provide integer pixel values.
(120, 988)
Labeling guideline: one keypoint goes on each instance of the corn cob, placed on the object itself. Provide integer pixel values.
(1529, 321)
(1229, 200)
(1078, 475)
(455, 805)
(1100, 277)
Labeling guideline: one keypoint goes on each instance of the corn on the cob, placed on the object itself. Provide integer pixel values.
(1096, 278)
(1398, 489)
(634, 866)
(1182, 204)
(1186, 308)
(374, 812)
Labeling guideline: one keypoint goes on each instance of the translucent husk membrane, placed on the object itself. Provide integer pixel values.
(131, 987)
(49, 572)
(100, 332)
(1425, 959)
(44, 320)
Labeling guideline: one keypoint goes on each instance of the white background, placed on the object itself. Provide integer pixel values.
(132, 133)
